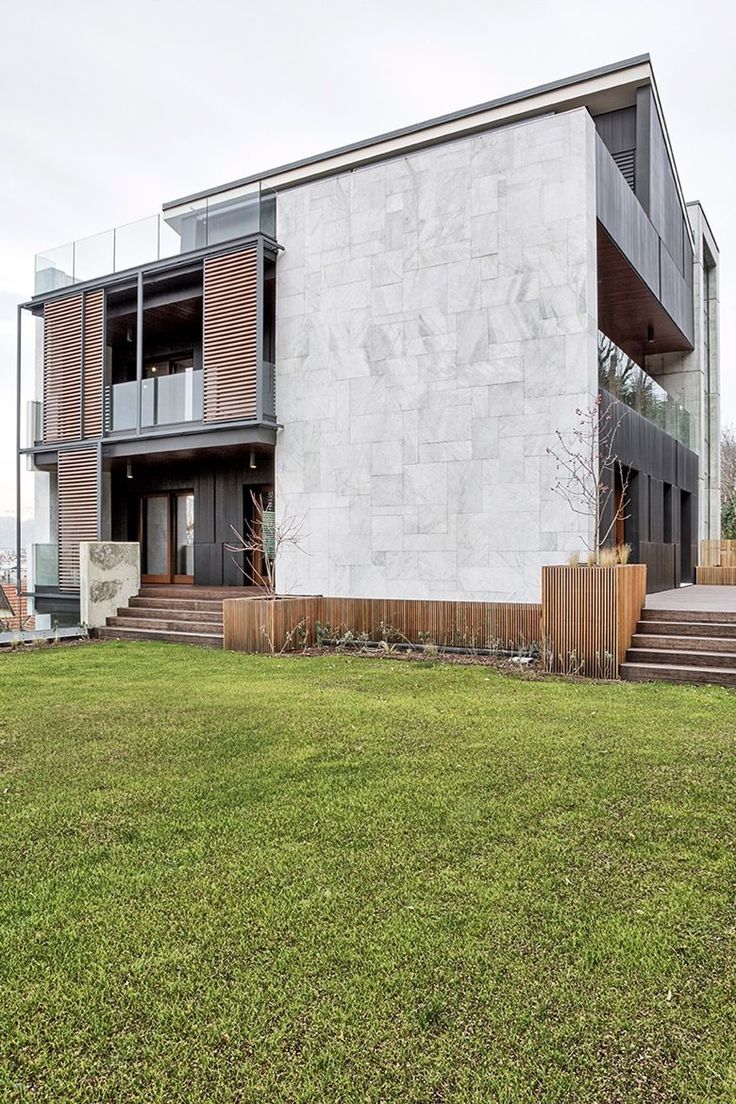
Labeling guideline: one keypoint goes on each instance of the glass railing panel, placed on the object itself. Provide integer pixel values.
(136, 243)
(168, 400)
(233, 214)
(45, 559)
(236, 213)
(188, 222)
(34, 422)
(268, 212)
(123, 397)
(94, 256)
(626, 381)
(54, 269)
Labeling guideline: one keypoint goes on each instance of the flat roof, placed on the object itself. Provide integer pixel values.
(441, 126)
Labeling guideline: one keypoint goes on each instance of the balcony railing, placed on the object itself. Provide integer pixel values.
(165, 400)
(45, 565)
(34, 422)
(625, 380)
(190, 226)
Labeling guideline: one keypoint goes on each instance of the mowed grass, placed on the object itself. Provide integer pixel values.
(230, 878)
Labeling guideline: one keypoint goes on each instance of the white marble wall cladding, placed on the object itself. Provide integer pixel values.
(436, 323)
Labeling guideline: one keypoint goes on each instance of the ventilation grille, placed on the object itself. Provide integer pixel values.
(625, 162)
(230, 336)
(62, 363)
(94, 333)
(79, 490)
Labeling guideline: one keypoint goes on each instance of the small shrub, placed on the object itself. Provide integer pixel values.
(623, 552)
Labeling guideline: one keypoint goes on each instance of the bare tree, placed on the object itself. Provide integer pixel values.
(582, 458)
(728, 464)
(257, 550)
(728, 482)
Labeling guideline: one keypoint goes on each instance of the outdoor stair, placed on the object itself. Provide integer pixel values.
(176, 614)
(693, 646)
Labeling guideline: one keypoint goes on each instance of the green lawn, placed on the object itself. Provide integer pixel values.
(230, 878)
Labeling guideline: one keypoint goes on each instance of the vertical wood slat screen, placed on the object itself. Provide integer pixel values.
(94, 362)
(62, 363)
(230, 345)
(79, 490)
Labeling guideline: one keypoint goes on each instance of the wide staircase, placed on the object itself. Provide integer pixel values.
(683, 646)
(177, 614)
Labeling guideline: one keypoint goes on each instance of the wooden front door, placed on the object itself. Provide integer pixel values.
(166, 533)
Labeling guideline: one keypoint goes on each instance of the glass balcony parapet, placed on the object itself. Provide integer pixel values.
(626, 381)
(45, 561)
(165, 400)
(222, 217)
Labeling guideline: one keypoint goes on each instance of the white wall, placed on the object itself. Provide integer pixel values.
(436, 323)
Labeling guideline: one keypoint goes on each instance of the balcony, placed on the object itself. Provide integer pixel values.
(164, 400)
(183, 229)
(622, 378)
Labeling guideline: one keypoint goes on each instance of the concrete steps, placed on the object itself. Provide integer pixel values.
(691, 646)
(174, 614)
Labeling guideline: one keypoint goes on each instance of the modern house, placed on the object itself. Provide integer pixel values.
(386, 338)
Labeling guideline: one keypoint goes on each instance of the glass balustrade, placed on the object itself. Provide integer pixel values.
(123, 401)
(165, 400)
(45, 560)
(234, 213)
(625, 380)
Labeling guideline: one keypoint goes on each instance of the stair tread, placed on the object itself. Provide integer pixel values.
(117, 630)
(167, 614)
(731, 656)
(659, 667)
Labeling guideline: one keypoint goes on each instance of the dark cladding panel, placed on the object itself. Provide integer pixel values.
(622, 217)
(208, 564)
(656, 510)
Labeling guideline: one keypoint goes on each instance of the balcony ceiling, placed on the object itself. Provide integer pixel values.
(628, 312)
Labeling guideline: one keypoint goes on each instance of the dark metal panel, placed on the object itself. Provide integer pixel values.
(644, 108)
(208, 564)
(656, 510)
(622, 217)
(618, 129)
(675, 294)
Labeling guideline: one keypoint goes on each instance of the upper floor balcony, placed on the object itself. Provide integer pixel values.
(190, 226)
(626, 381)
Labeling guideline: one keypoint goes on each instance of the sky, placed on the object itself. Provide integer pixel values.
(108, 110)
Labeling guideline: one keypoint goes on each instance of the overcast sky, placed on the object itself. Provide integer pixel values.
(107, 110)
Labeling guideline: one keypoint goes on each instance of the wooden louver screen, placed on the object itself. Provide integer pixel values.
(73, 366)
(79, 490)
(230, 353)
(62, 363)
(94, 362)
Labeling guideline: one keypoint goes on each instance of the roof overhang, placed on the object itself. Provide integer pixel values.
(604, 89)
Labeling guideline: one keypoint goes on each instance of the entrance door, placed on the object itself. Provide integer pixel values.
(167, 537)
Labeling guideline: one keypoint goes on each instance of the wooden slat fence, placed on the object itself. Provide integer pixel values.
(589, 615)
(260, 625)
(718, 553)
(715, 576)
